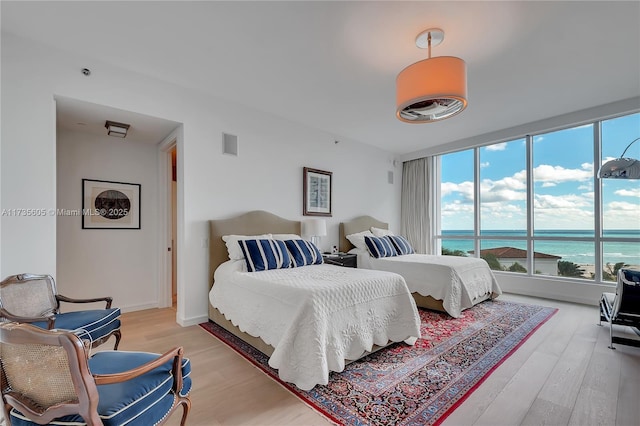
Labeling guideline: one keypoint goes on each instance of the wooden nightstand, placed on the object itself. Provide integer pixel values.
(341, 259)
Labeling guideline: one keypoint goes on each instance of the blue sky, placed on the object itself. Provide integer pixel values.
(563, 181)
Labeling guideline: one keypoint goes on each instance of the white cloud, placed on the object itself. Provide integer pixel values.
(556, 174)
(571, 211)
(497, 147)
(463, 188)
(563, 218)
(485, 164)
(501, 215)
(447, 188)
(621, 215)
(509, 183)
(457, 206)
(502, 195)
(587, 166)
(457, 215)
(634, 192)
(503, 200)
(624, 206)
(554, 202)
(506, 189)
(587, 186)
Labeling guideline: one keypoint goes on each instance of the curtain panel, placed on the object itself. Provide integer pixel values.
(416, 204)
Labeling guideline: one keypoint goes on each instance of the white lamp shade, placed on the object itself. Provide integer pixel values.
(316, 227)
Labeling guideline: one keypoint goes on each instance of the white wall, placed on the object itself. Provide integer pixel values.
(267, 175)
(98, 262)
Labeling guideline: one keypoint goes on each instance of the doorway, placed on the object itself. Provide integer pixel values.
(173, 153)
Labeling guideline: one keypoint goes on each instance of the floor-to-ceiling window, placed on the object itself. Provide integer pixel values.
(535, 205)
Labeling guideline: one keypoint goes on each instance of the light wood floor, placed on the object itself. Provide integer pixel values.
(563, 375)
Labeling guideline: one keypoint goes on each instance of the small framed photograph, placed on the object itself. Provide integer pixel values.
(316, 192)
(110, 205)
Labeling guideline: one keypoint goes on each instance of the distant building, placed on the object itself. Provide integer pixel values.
(546, 264)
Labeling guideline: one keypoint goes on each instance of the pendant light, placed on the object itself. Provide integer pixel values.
(432, 89)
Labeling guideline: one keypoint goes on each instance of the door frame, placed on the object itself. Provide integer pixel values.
(165, 293)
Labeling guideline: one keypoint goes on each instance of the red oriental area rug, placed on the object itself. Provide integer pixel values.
(420, 384)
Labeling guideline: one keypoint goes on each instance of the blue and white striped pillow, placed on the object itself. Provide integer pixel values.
(303, 253)
(262, 255)
(401, 244)
(380, 247)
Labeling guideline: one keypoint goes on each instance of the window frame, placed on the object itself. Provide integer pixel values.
(598, 238)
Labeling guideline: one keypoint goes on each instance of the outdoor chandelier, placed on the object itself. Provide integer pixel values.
(434, 88)
(621, 168)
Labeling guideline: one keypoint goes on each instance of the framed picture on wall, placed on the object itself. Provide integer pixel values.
(110, 205)
(316, 192)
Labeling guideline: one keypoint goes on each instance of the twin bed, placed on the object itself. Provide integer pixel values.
(313, 319)
(444, 283)
(310, 319)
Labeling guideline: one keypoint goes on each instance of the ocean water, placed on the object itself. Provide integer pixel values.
(572, 251)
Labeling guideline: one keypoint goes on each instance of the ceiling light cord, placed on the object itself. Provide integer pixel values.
(625, 150)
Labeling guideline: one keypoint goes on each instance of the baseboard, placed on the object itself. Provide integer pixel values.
(568, 290)
(187, 322)
(133, 308)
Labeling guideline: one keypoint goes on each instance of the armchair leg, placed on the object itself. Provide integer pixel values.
(118, 335)
(611, 336)
(186, 407)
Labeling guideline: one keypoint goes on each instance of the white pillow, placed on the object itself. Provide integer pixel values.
(357, 239)
(359, 251)
(285, 237)
(235, 252)
(379, 232)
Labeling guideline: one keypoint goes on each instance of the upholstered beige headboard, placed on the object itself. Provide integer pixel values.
(252, 223)
(358, 224)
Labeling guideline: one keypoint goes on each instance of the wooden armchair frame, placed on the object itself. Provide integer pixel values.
(49, 315)
(83, 382)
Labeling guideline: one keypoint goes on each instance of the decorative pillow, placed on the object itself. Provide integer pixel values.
(303, 253)
(235, 253)
(357, 239)
(380, 247)
(285, 237)
(379, 232)
(265, 254)
(401, 244)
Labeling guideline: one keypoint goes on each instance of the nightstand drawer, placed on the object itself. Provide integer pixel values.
(345, 259)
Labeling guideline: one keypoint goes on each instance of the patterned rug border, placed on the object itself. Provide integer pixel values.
(252, 355)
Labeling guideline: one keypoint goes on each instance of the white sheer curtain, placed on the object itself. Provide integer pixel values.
(417, 204)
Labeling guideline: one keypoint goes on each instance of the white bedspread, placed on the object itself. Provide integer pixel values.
(460, 282)
(316, 316)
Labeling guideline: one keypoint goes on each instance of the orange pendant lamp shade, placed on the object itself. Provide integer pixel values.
(432, 89)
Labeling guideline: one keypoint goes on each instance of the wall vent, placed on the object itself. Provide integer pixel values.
(230, 144)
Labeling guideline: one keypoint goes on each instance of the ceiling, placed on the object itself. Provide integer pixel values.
(75, 115)
(332, 65)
